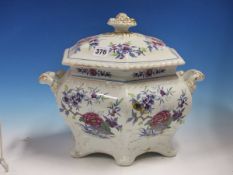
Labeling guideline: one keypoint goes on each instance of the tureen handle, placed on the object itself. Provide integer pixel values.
(122, 23)
(191, 77)
(52, 79)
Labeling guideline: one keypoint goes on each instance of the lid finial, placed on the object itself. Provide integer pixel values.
(122, 22)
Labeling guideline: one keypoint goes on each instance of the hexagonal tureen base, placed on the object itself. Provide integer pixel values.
(123, 119)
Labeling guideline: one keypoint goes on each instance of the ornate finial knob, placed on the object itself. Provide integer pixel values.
(122, 22)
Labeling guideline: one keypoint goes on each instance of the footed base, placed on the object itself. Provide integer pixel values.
(126, 157)
(126, 160)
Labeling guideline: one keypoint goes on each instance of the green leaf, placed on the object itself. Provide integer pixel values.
(143, 49)
(105, 127)
(181, 121)
(66, 88)
(169, 121)
(131, 95)
(140, 123)
(147, 123)
(119, 101)
(114, 54)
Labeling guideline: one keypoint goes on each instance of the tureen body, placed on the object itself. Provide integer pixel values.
(122, 95)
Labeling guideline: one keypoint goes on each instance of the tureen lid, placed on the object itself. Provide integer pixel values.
(121, 49)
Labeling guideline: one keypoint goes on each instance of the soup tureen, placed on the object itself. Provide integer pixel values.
(122, 95)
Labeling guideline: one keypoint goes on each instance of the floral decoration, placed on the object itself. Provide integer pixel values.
(154, 43)
(94, 72)
(100, 125)
(119, 51)
(92, 41)
(178, 112)
(143, 105)
(148, 73)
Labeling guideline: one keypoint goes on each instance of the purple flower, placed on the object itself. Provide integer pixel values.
(182, 100)
(177, 114)
(93, 95)
(66, 99)
(94, 42)
(67, 112)
(120, 50)
(112, 122)
(72, 99)
(162, 93)
(147, 106)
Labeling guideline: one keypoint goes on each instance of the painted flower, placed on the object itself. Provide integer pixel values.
(92, 119)
(162, 93)
(121, 50)
(72, 99)
(182, 101)
(114, 111)
(154, 43)
(91, 122)
(92, 41)
(160, 118)
(149, 72)
(148, 101)
(66, 99)
(143, 102)
(93, 72)
(177, 114)
(76, 98)
(112, 122)
(93, 95)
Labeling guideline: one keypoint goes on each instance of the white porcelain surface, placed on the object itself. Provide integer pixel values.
(121, 50)
(120, 104)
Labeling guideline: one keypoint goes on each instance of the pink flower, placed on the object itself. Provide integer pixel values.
(160, 118)
(156, 42)
(93, 72)
(149, 72)
(92, 119)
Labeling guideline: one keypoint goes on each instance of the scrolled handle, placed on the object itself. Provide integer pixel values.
(51, 79)
(191, 77)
